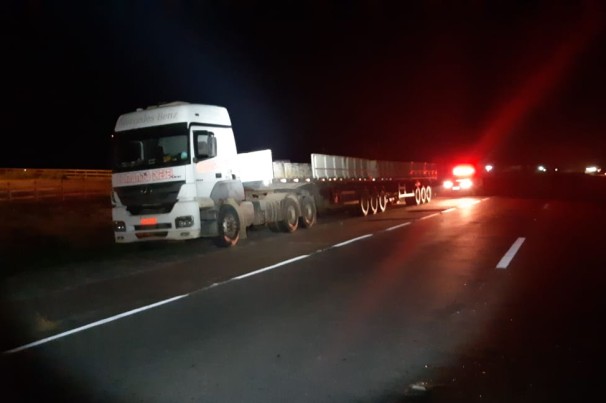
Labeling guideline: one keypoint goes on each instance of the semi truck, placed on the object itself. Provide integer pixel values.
(177, 175)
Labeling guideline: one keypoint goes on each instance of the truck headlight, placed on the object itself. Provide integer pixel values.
(184, 221)
(119, 226)
(465, 183)
(447, 184)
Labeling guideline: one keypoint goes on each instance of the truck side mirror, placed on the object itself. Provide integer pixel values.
(212, 146)
(205, 145)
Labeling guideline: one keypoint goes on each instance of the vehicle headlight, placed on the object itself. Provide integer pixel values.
(465, 183)
(184, 221)
(119, 226)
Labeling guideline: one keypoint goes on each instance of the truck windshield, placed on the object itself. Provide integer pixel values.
(150, 147)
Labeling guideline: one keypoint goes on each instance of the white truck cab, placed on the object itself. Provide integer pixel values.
(173, 172)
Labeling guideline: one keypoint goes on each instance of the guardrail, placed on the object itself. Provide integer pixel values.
(35, 173)
(54, 184)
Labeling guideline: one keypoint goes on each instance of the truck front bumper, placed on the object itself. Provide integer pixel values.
(182, 223)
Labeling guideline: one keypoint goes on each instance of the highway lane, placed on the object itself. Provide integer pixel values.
(64, 297)
(423, 302)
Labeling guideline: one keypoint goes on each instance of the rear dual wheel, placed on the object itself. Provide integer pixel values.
(290, 211)
(418, 198)
(364, 204)
(382, 202)
(425, 194)
(374, 204)
(308, 212)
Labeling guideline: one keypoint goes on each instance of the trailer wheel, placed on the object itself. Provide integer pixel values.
(290, 209)
(364, 204)
(229, 226)
(417, 196)
(382, 202)
(428, 193)
(374, 203)
(308, 213)
(423, 195)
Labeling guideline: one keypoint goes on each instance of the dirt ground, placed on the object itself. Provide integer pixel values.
(36, 234)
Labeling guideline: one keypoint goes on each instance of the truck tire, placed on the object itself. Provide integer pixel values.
(423, 195)
(374, 203)
(417, 196)
(364, 204)
(382, 202)
(428, 194)
(308, 213)
(290, 210)
(229, 226)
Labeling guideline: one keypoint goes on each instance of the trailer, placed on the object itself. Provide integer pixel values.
(177, 175)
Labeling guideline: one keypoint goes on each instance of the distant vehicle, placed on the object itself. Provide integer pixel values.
(177, 175)
(464, 179)
(593, 170)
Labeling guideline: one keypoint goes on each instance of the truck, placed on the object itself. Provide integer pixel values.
(177, 175)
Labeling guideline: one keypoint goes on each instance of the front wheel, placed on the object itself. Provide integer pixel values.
(229, 226)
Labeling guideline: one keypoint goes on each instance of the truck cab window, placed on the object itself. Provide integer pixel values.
(151, 148)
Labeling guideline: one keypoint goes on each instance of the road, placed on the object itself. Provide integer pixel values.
(473, 299)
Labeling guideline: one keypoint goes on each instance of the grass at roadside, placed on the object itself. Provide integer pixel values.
(37, 234)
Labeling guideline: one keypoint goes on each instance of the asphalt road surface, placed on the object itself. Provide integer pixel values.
(492, 299)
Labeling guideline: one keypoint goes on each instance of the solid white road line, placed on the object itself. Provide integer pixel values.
(429, 216)
(351, 241)
(397, 226)
(94, 324)
(273, 266)
(506, 259)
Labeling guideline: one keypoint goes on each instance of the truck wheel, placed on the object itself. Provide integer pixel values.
(374, 203)
(423, 195)
(382, 202)
(364, 204)
(290, 209)
(229, 226)
(308, 213)
(428, 193)
(417, 196)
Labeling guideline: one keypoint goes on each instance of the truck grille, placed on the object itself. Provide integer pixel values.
(157, 198)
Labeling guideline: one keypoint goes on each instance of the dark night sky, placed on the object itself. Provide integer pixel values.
(427, 80)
